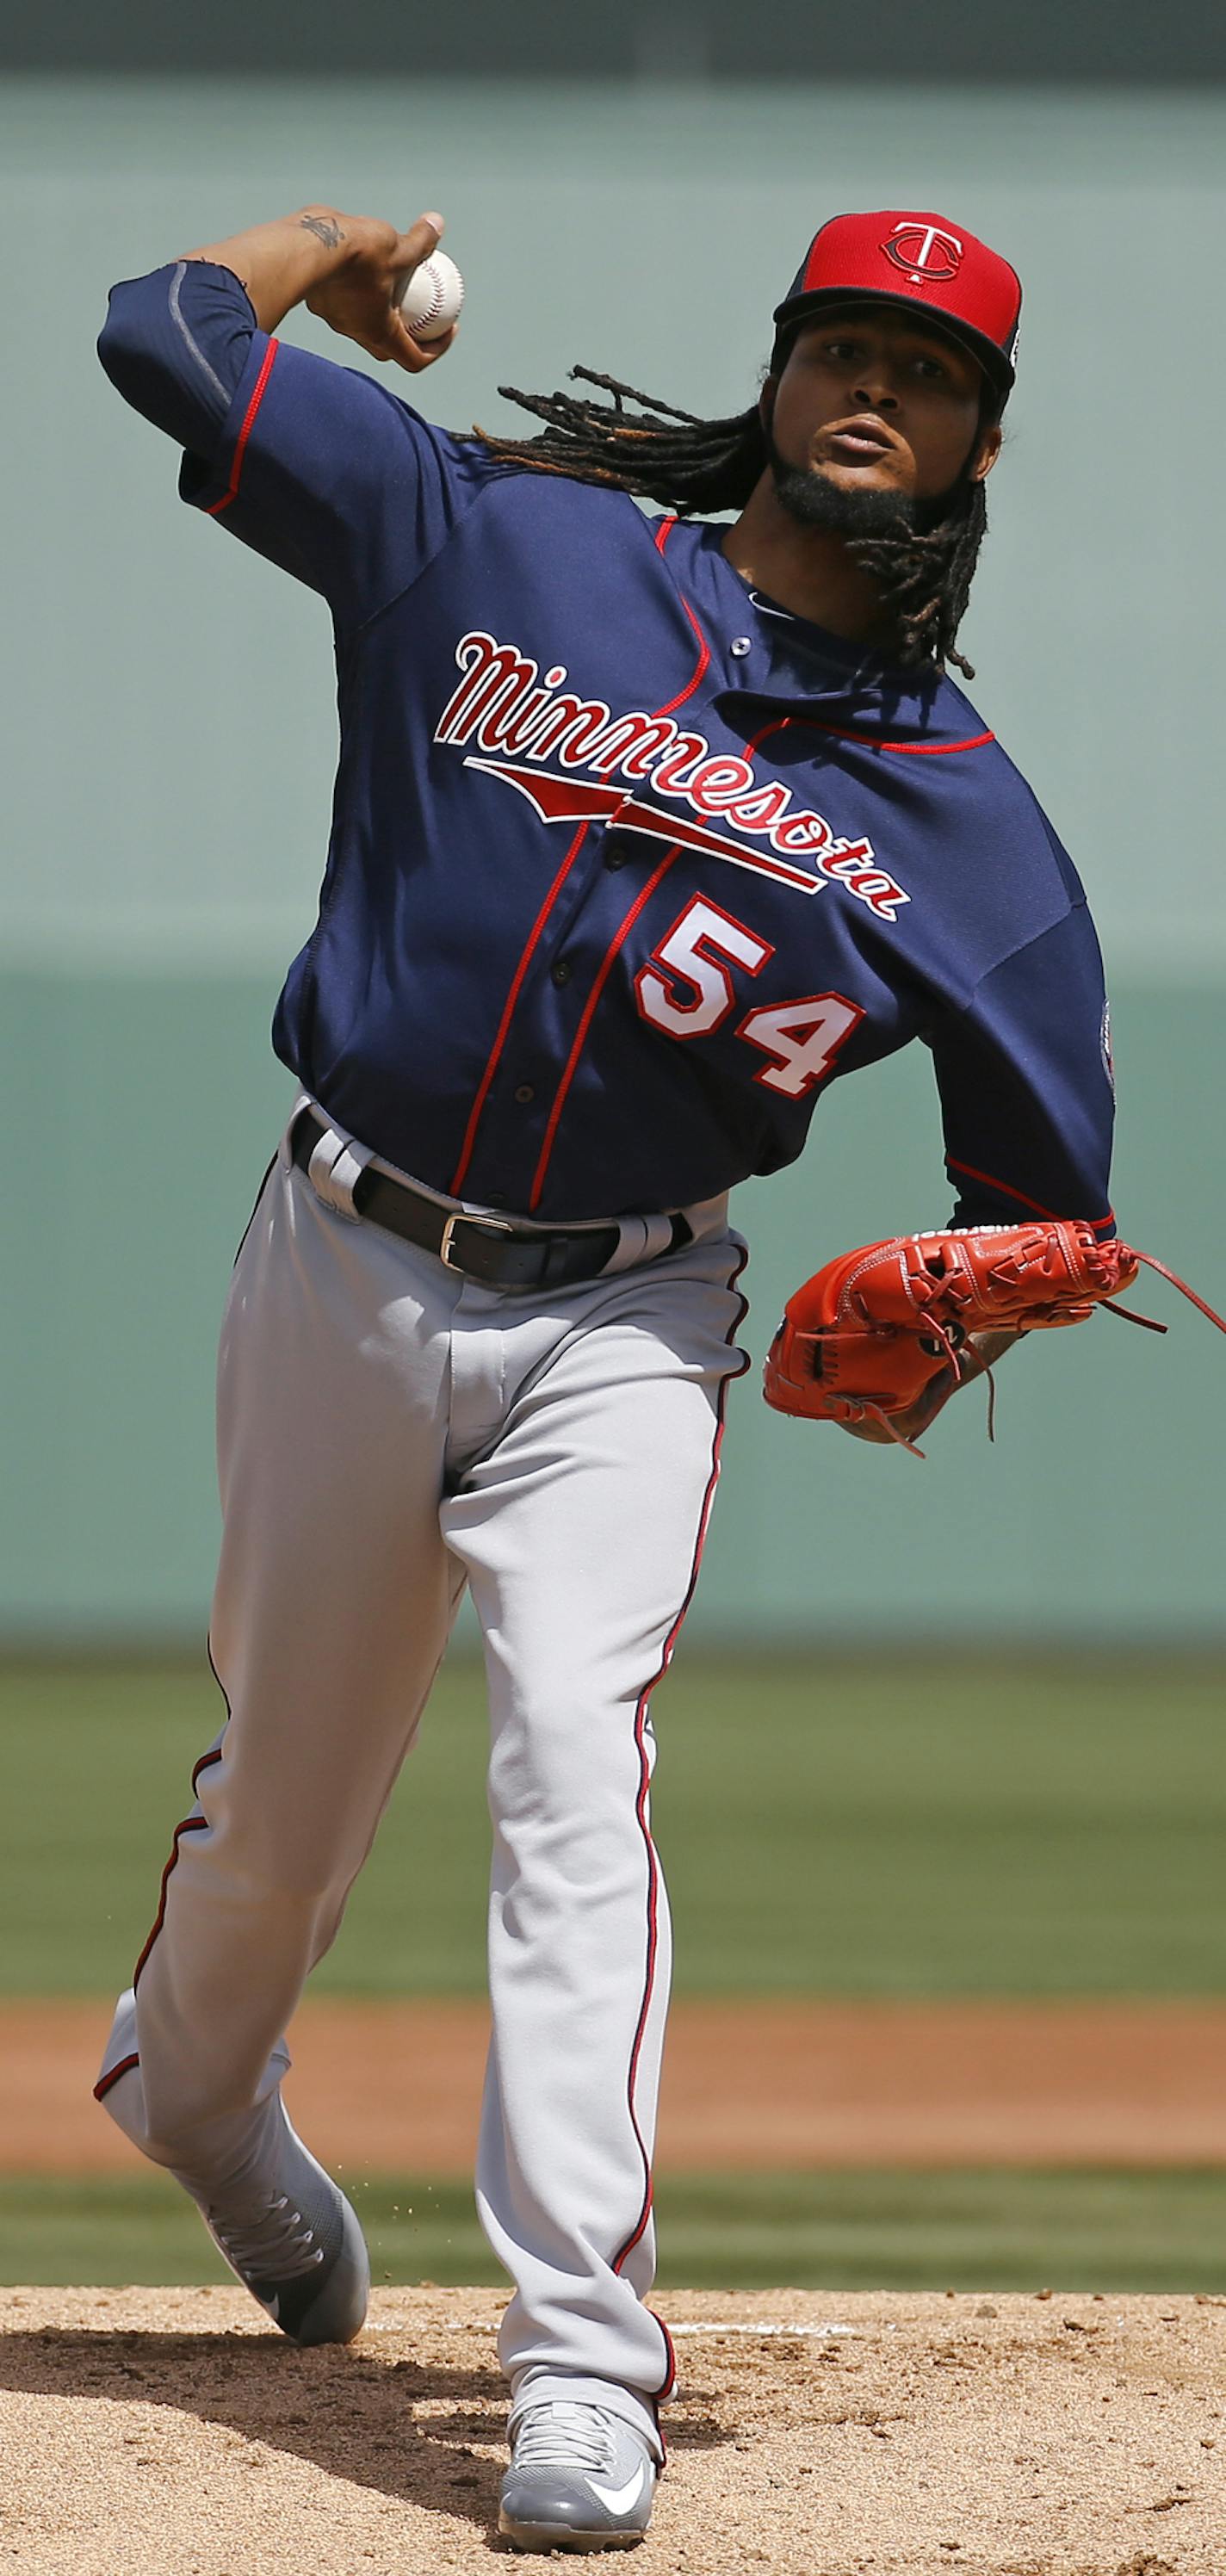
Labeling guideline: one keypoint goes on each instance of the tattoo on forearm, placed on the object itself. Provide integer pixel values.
(325, 229)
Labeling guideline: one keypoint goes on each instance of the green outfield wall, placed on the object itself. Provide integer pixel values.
(169, 737)
(155, 1102)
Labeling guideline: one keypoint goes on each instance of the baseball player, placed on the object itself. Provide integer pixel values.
(646, 830)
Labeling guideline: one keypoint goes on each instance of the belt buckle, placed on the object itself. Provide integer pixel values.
(486, 1224)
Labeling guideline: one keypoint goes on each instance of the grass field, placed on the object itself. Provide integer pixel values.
(830, 2231)
(916, 1826)
(919, 1826)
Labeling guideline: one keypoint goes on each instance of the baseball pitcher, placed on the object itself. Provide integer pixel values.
(647, 829)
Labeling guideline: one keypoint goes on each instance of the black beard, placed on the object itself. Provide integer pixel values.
(814, 501)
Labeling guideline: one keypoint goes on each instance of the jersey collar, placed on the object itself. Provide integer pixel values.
(794, 668)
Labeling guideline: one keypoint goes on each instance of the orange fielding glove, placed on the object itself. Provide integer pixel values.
(872, 1332)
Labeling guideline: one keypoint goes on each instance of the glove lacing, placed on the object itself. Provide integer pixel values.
(940, 1333)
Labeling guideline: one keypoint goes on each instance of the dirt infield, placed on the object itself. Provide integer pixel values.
(852, 2436)
(394, 2087)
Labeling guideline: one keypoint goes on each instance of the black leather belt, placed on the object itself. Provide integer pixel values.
(497, 1250)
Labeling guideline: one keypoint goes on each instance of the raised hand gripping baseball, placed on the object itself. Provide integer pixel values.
(350, 270)
(879, 1339)
(361, 298)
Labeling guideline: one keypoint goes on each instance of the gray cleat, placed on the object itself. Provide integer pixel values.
(580, 2478)
(295, 2243)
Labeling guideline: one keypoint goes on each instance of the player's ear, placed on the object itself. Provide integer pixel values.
(766, 400)
(987, 449)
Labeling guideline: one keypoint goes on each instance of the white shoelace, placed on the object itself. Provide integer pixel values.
(275, 2246)
(561, 2434)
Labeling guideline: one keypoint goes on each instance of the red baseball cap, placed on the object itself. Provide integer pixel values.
(892, 257)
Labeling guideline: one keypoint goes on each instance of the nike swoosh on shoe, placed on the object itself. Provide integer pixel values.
(620, 2499)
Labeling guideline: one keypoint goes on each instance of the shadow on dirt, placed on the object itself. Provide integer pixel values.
(416, 2431)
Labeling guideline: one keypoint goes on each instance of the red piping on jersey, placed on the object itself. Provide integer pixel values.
(589, 1010)
(470, 1133)
(189, 1825)
(240, 444)
(653, 1867)
(662, 535)
(990, 1182)
(700, 667)
(660, 540)
(104, 2083)
(921, 750)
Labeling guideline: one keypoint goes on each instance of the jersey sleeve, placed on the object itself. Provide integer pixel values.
(1027, 1094)
(314, 465)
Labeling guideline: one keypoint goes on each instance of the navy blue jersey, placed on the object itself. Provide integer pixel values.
(627, 863)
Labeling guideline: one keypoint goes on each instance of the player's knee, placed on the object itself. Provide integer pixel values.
(567, 1756)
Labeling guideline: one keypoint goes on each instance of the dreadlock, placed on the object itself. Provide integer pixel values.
(692, 465)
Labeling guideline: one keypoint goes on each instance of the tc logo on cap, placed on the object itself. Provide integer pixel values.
(920, 260)
(923, 251)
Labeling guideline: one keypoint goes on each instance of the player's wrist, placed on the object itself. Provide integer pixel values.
(345, 241)
(331, 232)
(341, 254)
(284, 262)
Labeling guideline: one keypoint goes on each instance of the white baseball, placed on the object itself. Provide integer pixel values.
(431, 297)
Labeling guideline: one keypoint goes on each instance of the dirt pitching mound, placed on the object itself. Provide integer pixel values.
(142, 2430)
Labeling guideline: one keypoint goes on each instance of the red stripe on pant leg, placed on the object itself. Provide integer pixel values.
(189, 1825)
(667, 2389)
(653, 1877)
(104, 2083)
(653, 1871)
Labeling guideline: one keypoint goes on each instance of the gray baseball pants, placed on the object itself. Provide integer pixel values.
(388, 1432)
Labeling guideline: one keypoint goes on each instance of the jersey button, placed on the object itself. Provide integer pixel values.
(524, 1092)
(561, 973)
(614, 858)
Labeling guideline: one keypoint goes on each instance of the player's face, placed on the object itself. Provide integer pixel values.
(875, 402)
